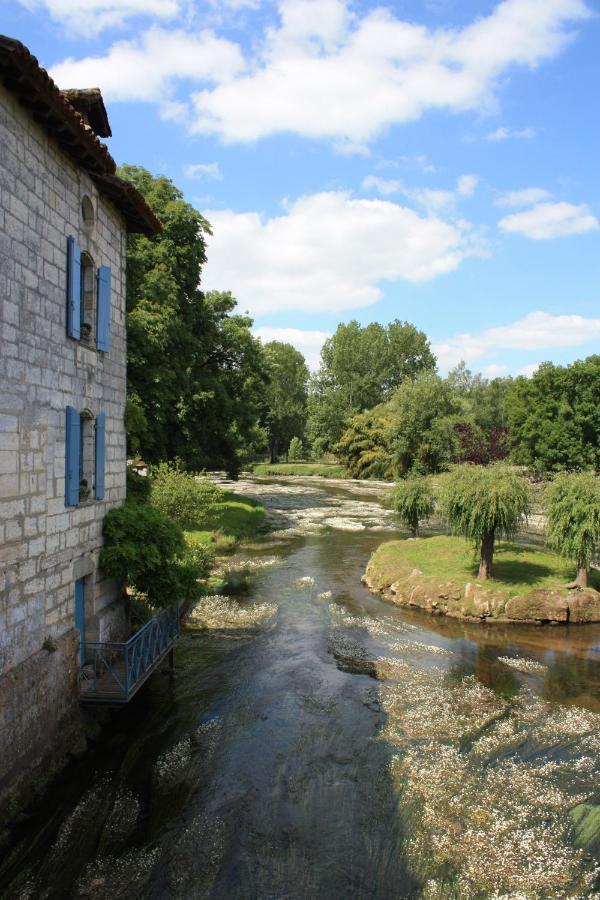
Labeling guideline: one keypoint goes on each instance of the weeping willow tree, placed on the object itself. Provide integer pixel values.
(483, 503)
(413, 501)
(573, 520)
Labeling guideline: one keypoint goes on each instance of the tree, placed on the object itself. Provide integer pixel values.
(364, 447)
(360, 368)
(413, 501)
(423, 415)
(196, 374)
(295, 450)
(483, 503)
(554, 417)
(573, 520)
(286, 395)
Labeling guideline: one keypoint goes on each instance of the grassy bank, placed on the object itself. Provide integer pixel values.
(234, 518)
(516, 569)
(324, 470)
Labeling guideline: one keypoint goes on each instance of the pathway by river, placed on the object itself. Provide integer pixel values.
(316, 743)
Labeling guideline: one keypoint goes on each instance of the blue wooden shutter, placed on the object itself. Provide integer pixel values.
(103, 318)
(73, 289)
(99, 455)
(72, 456)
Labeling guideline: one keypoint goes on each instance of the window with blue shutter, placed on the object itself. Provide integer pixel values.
(103, 320)
(100, 455)
(73, 289)
(72, 456)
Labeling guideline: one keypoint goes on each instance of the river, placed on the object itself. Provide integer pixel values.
(317, 743)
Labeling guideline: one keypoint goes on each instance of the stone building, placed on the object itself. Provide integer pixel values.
(64, 218)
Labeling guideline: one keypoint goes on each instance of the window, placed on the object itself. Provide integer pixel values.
(88, 298)
(87, 211)
(84, 456)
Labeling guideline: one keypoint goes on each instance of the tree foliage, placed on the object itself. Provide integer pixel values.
(364, 446)
(554, 417)
(295, 450)
(196, 374)
(413, 501)
(360, 369)
(285, 399)
(573, 519)
(483, 503)
(423, 415)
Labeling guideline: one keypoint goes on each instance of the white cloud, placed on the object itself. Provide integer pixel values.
(550, 220)
(324, 72)
(467, 185)
(92, 16)
(329, 252)
(309, 343)
(494, 370)
(146, 68)
(385, 186)
(528, 370)
(504, 134)
(209, 171)
(523, 197)
(537, 331)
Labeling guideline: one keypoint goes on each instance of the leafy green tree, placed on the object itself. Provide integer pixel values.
(364, 447)
(413, 501)
(483, 503)
(423, 415)
(182, 497)
(360, 369)
(295, 450)
(196, 374)
(554, 417)
(573, 519)
(286, 396)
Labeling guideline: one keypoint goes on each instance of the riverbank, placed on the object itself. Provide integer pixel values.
(235, 518)
(438, 574)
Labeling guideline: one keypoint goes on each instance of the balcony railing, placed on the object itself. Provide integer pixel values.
(113, 671)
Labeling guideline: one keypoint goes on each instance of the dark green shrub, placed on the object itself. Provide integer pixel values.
(182, 497)
(146, 551)
(138, 487)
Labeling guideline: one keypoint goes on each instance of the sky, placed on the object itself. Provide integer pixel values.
(435, 161)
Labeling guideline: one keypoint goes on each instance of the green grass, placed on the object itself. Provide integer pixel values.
(325, 470)
(234, 519)
(516, 569)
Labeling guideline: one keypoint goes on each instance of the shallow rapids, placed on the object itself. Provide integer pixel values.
(316, 743)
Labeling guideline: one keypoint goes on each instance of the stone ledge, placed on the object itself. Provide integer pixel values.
(475, 603)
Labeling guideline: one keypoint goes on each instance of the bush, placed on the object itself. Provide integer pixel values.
(182, 497)
(573, 519)
(138, 486)
(295, 450)
(146, 551)
(413, 501)
(318, 449)
(483, 503)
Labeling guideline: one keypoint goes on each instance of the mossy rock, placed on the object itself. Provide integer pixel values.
(539, 606)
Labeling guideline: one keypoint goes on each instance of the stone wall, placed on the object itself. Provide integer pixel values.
(44, 545)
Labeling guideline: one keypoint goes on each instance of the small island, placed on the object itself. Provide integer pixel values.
(439, 574)
(469, 574)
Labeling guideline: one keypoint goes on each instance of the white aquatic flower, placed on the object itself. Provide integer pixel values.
(306, 581)
(325, 595)
(522, 664)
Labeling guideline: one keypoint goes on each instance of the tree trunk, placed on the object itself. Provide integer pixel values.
(414, 528)
(487, 556)
(581, 579)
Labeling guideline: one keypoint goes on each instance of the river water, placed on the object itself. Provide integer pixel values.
(317, 743)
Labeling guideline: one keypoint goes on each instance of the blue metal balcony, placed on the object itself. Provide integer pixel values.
(113, 671)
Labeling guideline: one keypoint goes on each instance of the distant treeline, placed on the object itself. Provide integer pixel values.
(204, 390)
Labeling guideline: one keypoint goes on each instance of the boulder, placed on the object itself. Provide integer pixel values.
(584, 606)
(538, 605)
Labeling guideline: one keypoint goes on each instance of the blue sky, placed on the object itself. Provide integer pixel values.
(429, 161)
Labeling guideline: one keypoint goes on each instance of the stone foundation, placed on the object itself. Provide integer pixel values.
(40, 720)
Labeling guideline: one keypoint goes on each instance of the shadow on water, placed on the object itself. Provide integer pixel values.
(267, 766)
